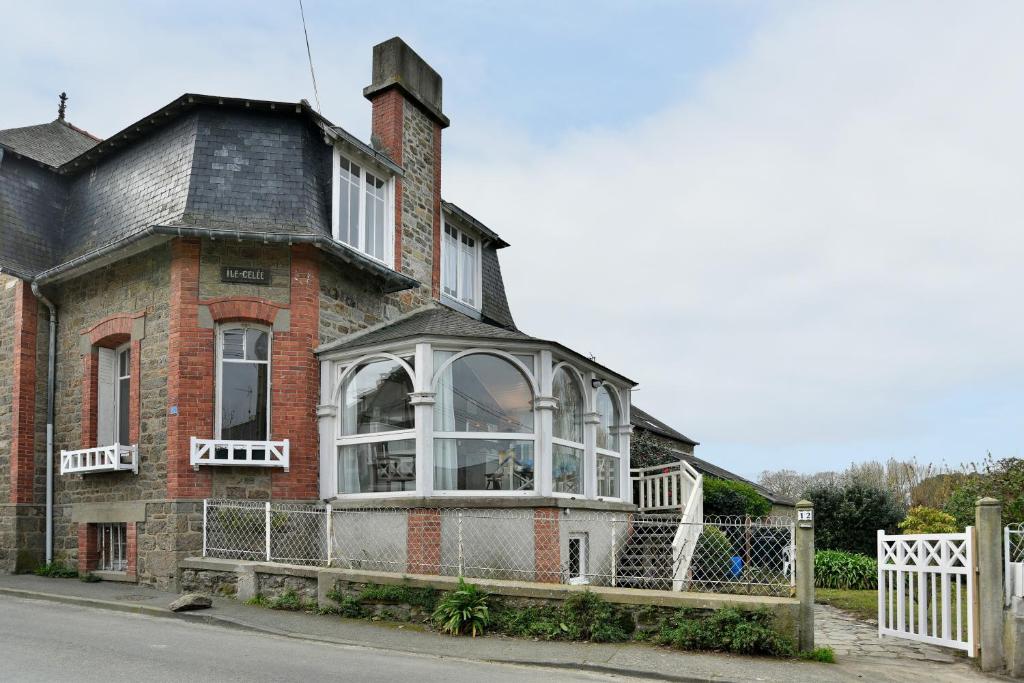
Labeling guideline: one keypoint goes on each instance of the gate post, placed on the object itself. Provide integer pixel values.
(805, 572)
(988, 523)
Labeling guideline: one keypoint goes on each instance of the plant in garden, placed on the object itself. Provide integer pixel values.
(712, 557)
(819, 654)
(56, 570)
(838, 569)
(925, 520)
(725, 497)
(1000, 479)
(463, 610)
(848, 516)
(727, 630)
(587, 616)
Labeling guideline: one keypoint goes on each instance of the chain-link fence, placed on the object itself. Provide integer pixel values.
(630, 550)
(274, 532)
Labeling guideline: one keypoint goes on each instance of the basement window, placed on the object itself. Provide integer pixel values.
(363, 209)
(112, 547)
(578, 552)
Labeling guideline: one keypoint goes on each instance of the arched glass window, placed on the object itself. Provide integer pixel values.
(607, 446)
(483, 424)
(376, 446)
(567, 433)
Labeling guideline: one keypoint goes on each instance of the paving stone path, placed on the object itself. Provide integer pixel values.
(849, 636)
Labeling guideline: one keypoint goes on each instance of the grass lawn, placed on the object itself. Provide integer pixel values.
(862, 603)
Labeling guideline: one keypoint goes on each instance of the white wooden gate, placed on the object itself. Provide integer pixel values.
(927, 588)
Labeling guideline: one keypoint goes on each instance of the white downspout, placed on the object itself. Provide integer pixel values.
(51, 362)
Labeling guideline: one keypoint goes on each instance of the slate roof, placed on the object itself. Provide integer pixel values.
(53, 144)
(712, 470)
(644, 420)
(489, 234)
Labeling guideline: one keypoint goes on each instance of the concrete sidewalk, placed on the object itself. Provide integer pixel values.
(629, 659)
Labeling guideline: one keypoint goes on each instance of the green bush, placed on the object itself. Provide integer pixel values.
(848, 571)
(725, 497)
(56, 570)
(819, 654)
(999, 479)
(725, 630)
(925, 520)
(463, 610)
(712, 558)
(416, 597)
(582, 616)
(847, 517)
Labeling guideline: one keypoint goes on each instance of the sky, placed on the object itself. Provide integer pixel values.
(798, 225)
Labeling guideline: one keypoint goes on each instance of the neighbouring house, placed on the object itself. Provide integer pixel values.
(237, 299)
(655, 439)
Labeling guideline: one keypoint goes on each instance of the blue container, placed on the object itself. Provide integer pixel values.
(737, 566)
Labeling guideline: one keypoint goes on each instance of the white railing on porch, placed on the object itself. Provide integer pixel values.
(112, 458)
(234, 453)
(1013, 547)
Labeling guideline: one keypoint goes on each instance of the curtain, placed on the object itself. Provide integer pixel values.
(348, 459)
(445, 454)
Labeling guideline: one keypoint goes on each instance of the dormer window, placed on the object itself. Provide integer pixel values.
(460, 266)
(362, 209)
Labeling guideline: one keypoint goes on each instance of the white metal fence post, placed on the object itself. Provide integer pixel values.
(330, 534)
(462, 564)
(266, 522)
(205, 506)
(1007, 576)
(615, 551)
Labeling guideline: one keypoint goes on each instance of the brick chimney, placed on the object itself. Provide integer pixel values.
(407, 124)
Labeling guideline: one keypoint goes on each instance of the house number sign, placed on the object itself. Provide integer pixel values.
(805, 515)
(245, 276)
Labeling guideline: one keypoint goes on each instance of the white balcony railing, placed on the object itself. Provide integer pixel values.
(231, 453)
(112, 458)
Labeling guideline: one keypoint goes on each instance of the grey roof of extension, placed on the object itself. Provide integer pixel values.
(52, 144)
(644, 420)
(437, 320)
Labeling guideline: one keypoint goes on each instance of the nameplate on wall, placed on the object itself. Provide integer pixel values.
(245, 276)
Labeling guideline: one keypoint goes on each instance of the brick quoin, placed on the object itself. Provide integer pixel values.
(249, 309)
(190, 373)
(131, 550)
(388, 120)
(423, 541)
(90, 388)
(23, 395)
(547, 545)
(295, 381)
(88, 551)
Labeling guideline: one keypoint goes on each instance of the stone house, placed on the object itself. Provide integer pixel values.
(235, 298)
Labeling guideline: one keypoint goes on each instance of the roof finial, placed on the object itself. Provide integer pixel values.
(63, 105)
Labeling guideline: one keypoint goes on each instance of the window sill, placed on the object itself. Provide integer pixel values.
(123, 577)
(358, 501)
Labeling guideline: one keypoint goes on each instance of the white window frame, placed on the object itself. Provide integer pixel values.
(112, 547)
(584, 557)
(117, 392)
(389, 206)
(613, 393)
(219, 360)
(487, 436)
(459, 296)
(581, 446)
(340, 440)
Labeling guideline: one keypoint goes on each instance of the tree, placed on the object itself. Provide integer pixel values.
(847, 517)
(1000, 479)
(925, 520)
(733, 498)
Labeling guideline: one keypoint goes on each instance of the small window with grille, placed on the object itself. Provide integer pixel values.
(578, 552)
(112, 547)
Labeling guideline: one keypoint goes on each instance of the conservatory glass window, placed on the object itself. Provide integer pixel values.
(567, 433)
(607, 445)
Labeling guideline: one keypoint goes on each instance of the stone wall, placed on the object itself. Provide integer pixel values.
(275, 258)
(7, 510)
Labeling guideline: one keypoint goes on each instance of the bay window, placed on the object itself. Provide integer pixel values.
(567, 433)
(460, 266)
(607, 445)
(363, 212)
(483, 425)
(377, 444)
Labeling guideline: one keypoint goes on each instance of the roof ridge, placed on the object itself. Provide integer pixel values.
(79, 130)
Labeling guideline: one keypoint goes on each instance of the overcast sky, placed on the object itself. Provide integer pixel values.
(796, 225)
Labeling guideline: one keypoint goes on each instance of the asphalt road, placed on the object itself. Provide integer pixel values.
(43, 641)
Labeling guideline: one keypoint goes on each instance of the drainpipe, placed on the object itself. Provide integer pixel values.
(51, 362)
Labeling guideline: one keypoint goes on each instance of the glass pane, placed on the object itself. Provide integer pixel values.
(124, 363)
(376, 399)
(233, 344)
(255, 345)
(568, 417)
(527, 360)
(483, 465)
(123, 404)
(377, 467)
(567, 469)
(353, 213)
(483, 393)
(451, 263)
(608, 412)
(467, 274)
(244, 404)
(607, 476)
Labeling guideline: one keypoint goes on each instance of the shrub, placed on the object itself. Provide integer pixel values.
(1000, 479)
(725, 630)
(819, 654)
(725, 497)
(712, 557)
(416, 597)
(848, 571)
(587, 616)
(56, 570)
(463, 610)
(847, 516)
(926, 520)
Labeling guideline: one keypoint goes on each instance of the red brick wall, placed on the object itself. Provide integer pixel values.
(90, 363)
(190, 373)
(88, 551)
(23, 398)
(547, 545)
(423, 541)
(132, 549)
(388, 124)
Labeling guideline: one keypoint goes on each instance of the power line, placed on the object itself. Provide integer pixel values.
(309, 54)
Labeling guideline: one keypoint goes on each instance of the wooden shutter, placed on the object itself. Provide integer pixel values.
(105, 392)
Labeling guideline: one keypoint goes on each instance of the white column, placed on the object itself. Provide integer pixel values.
(624, 445)
(326, 413)
(544, 407)
(590, 421)
(422, 400)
